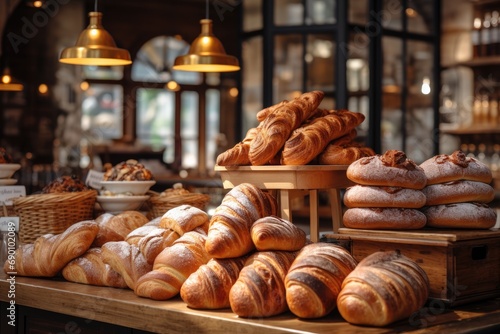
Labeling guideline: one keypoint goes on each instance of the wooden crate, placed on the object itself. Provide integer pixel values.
(462, 265)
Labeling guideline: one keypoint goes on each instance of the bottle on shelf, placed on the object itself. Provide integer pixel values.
(495, 32)
(476, 38)
(485, 35)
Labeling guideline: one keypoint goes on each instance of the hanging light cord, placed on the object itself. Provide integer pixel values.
(95, 6)
(206, 9)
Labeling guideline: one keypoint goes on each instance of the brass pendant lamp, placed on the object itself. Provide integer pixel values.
(206, 54)
(95, 46)
(7, 83)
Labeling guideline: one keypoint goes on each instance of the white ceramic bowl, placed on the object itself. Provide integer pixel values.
(125, 187)
(7, 182)
(116, 204)
(7, 170)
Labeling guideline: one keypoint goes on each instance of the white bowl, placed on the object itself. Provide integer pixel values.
(125, 187)
(7, 182)
(7, 170)
(115, 204)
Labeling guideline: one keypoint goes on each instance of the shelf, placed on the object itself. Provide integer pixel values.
(470, 130)
(479, 62)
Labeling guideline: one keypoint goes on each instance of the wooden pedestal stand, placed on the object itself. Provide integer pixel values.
(282, 179)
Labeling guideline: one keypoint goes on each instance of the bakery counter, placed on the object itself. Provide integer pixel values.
(87, 304)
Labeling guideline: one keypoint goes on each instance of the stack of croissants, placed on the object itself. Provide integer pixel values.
(299, 132)
(244, 257)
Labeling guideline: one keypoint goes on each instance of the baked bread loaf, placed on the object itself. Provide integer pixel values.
(184, 218)
(65, 184)
(309, 140)
(130, 170)
(456, 166)
(5, 157)
(90, 268)
(229, 229)
(384, 218)
(137, 234)
(156, 241)
(127, 260)
(383, 288)
(261, 115)
(343, 155)
(278, 125)
(209, 286)
(260, 288)
(458, 192)
(315, 278)
(360, 196)
(275, 233)
(238, 154)
(117, 227)
(460, 216)
(173, 266)
(392, 169)
(50, 253)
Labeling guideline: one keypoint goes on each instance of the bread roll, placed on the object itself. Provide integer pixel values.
(50, 253)
(384, 218)
(260, 288)
(184, 218)
(315, 278)
(127, 260)
(155, 242)
(209, 286)
(117, 227)
(275, 233)
(458, 192)
(456, 166)
(137, 234)
(392, 169)
(90, 268)
(173, 266)
(309, 140)
(461, 216)
(383, 288)
(229, 229)
(278, 125)
(383, 197)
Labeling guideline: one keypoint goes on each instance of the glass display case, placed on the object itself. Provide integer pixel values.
(378, 57)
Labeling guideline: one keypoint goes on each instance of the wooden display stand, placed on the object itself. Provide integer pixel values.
(283, 179)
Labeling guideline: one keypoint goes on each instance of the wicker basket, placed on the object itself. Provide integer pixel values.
(52, 213)
(160, 204)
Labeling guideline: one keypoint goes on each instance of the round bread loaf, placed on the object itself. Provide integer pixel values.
(384, 218)
(360, 196)
(456, 166)
(458, 192)
(392, 169)
(460, 215)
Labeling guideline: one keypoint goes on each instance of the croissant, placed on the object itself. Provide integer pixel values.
(384, 287)
(136, 235)
(184, 218)
(238, 154)
(260, 288)
(315, 278)
(173, 266)
(343, 155)
(117, 227)
(91, 269)
(50, 253)
(209, 286)
(275, 233)
(278, 125)
(155, 241)
(308, 141)
(229, 229)
(261, 115)
(127, 260)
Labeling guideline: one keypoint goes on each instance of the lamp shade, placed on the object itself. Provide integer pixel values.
(7, 83)
(95, 46)
(206, 54)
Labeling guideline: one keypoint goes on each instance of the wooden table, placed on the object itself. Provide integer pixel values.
(122, 307)
(284, 179)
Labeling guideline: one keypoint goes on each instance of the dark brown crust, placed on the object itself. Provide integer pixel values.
(383, 197)
(460, 215)
(392, 169)
(456, 166)
(384, 218)
(458, 192)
